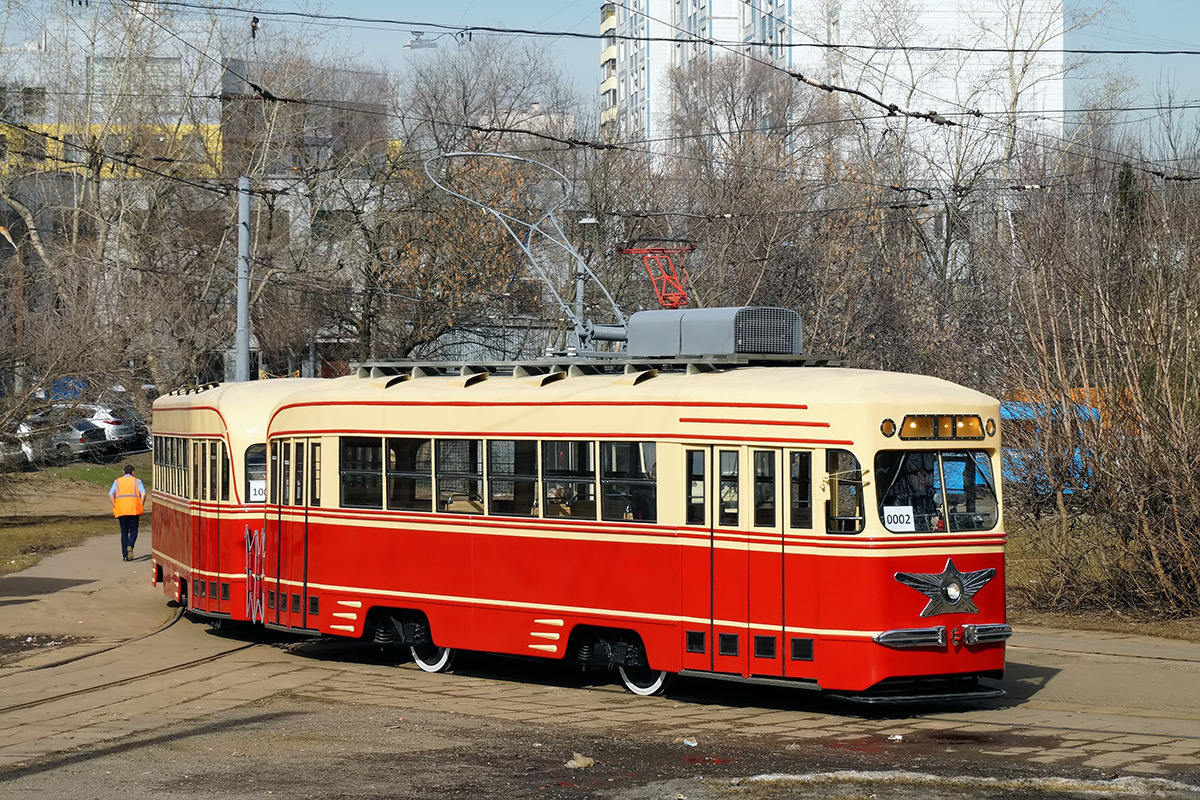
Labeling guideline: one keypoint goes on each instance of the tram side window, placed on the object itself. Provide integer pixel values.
(729, 487)
(764, 488)
(844, 508)
(697, 488)
(459, 469)
(361, 471)
(512, 477)
(256, 473)
(273, 486)
(314, 468)
(628, 484)
(198, 466)
(801, 490)
(214, 470)
(224, 471)
(298, 482)
(568, 480)
(410, 474)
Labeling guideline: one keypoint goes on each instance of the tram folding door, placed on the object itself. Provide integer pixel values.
(206, 584)
(747, 561)
(295, 484)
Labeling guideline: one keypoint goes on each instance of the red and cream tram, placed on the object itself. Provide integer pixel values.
(749, 517)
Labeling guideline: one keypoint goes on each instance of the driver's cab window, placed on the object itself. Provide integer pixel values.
(256, 473)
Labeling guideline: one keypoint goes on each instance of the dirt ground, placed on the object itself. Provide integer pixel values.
(37, 494)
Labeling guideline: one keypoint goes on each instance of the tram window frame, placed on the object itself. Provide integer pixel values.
(402, 469)
(696, 505)
(512, 477)
(361, 486)
(569, 479)
(254, 471)
(729, 489)
(628, 487)
(314, 467)
(766, 495)
(845, 483)
(458, 475)
(800, 492)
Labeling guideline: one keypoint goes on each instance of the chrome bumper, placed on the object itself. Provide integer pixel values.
(937, 637)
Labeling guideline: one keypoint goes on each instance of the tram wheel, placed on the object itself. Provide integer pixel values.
(644, 681)
(431, 658)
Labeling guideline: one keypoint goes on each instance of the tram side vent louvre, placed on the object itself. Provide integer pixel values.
(295, 604)
(695, 641)
(224, 591)
(802, 649)
(727, 644)
(271, 599)
(314, 605)
(212, 588)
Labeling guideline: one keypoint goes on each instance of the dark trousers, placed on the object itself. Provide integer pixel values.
(129, 528)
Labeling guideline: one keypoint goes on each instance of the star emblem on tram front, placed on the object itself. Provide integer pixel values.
(950, 591)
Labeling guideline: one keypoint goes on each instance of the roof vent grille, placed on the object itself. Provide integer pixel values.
(750, 330)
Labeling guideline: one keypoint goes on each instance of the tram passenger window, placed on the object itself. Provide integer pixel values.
(298, 481)
(697, 488)
(314, 469)
(284, 475)
(256, 473)
(198, 466)
(801, 490)
(214, 471)
(273, 485)
(512, 477)
(361, 471)
(764, 488)
(568, 480)
(729, 487)
(628, 485)
(410, 474)
(844, 508)
(459, 469)
(224, 472)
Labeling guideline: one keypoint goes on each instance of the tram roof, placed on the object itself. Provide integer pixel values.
(788, 379)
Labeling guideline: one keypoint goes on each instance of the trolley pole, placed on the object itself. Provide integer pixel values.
(242, 337)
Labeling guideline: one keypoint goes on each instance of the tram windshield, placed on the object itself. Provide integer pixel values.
(936, 490)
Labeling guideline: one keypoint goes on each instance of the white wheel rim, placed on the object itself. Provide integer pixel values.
(654, 687)
(436, 665)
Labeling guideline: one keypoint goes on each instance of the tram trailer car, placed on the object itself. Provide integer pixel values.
(749, 518)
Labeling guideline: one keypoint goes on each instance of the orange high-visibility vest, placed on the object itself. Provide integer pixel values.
(127, 500)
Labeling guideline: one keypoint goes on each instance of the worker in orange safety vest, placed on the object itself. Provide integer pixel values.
(128, 497)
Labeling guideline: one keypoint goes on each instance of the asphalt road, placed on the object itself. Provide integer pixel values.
(95, 703)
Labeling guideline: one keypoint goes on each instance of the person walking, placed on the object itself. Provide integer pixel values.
(128, 497)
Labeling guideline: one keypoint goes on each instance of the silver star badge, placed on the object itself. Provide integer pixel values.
(949, 592)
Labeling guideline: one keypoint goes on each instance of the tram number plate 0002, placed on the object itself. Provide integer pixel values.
(899, 518)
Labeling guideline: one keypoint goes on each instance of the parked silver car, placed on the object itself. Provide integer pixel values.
(54, 437)
(12, 456)
(123, 427)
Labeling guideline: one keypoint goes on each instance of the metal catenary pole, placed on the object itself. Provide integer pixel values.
(242, 337)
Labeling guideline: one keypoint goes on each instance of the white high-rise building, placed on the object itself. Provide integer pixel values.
(1000, 58)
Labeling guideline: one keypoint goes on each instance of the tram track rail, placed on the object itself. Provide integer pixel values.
(41, 701)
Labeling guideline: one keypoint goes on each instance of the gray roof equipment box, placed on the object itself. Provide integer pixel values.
(715, 331)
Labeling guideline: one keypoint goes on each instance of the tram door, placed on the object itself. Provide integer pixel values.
(747, 562)
(729, 560)
(298, 490)
(198, 586)
(210, 485)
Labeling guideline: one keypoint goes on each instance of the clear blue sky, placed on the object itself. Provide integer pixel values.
(1134, 24)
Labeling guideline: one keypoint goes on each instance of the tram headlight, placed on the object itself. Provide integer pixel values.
(953, 591)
